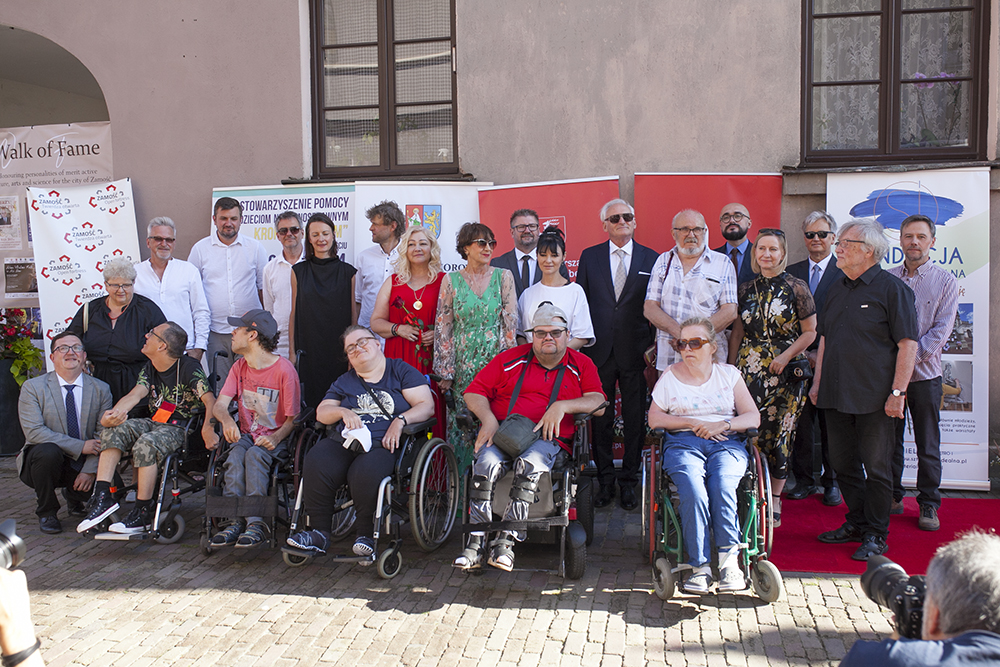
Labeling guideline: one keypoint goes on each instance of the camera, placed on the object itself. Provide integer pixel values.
(888, 585)
(11, 546)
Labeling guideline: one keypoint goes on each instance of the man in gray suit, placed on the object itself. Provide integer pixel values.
(522, 261)
(59, 414)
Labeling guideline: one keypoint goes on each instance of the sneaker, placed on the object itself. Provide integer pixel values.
(101, 507)
(230, 535)
(364, 546)
(699, 582)
(139, 520)
(928, 518)
(896, 507)
(256, 534)
(731, 579)
(312, 541)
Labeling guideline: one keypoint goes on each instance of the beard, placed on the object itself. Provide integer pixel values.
(691, 252)
(738, 235)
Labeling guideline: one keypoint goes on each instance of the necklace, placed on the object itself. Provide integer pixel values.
(418, 304)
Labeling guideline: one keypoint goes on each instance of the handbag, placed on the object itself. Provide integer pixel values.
(517, 432)
(796, 370)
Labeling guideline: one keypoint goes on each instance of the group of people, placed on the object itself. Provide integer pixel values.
(741, 341)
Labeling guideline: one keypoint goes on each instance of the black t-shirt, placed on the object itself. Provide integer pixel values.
(398, 376)
(182, 386)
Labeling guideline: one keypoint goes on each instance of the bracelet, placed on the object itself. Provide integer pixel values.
(403, 417)
(21, 656)
(729, 425)
(395, 327)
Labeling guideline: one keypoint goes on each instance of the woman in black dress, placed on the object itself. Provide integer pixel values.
(323, 307)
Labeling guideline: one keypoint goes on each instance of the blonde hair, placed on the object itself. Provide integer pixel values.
(402, 265)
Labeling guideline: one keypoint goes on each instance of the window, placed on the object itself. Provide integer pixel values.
(384, 87)
(894, 81)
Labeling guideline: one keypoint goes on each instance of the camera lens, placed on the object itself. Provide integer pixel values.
(11, 546)
(881, 579)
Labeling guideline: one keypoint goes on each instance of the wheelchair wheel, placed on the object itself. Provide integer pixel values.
(650, 505)
(206, 545)
(765, 511)
(294, 560)
(171, 531)
(585, 506)
(389, 563)
(576, 559)
(433, 501)
(343, 521)
(664, 582)
(767, 582)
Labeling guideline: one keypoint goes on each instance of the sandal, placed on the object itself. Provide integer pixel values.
(502, 553)
(776, 511)
(471, 557)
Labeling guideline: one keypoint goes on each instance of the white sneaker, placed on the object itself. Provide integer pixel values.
(700, 581)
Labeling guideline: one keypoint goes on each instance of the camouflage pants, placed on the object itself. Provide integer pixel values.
(148, 441)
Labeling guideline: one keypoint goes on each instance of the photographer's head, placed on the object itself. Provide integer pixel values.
(963, 587)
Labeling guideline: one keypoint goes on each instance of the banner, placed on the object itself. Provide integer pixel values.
(441, 207)
(958, 202)
(43, 155)
(75, 231)
(262, 204)
(659, 197)
(573, 206)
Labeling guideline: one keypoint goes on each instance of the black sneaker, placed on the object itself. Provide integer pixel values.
(101, 507)
(139, 520)
(309, 540)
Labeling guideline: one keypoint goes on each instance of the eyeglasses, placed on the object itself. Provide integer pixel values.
(554, 334)
(843, 241)
(482, 243)
(613, 219)
(735, 217)
(531, 226)
(362, 342)
(692, 343)
(289, 230)
(152, 332)
(697, 231)
(821, 235)
(66, 349)
(118, 287)
(161, 239)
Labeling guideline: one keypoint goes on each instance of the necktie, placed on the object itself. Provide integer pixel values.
(621, 275)
(73, 425)
(734, 255)
(525, 272)
(814, 279)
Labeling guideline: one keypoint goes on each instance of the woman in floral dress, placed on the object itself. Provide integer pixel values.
(476, 320)
(775, 324)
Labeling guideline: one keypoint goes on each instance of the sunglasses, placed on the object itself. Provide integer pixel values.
(770, 231)
(482, 243)
(289, 230)
(613, 219)
(161, 239)
(692, 343)
(821, 235)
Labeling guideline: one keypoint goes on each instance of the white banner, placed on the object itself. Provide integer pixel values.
(958, 202)
(75, 231)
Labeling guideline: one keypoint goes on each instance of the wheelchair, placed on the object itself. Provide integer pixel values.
(563, 511)
(422, 490)
(662, 541)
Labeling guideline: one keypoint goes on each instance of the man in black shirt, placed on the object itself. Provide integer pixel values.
(175, 384)
(866, 353)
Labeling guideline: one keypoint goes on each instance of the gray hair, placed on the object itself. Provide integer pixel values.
(688, 211)
(162, 221)
(871, 233)
(286, 216)
(963, 579)
(613, 202)
(119, 267)
(176, 339)
(819, 215)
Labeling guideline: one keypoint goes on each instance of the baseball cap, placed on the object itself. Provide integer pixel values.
(258, 320)
(548, 315)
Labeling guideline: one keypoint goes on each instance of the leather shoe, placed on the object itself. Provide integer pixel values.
(74, 507)
(873, 545)
(832, 497)
(49, 525)
(846, 533)
(896, 507)
(627, 498)
(800, 492)
(604, 496)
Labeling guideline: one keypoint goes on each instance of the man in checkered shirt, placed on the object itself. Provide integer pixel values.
(690, 280)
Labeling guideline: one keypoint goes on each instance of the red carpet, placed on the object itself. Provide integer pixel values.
(796, 548)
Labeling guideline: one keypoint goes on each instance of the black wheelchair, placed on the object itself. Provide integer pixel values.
(662, 541)
(423, 490)
(563, 508)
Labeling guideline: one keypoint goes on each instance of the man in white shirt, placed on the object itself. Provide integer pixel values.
(232, 272)
(175, 285)
(278, 277)
(377, 263)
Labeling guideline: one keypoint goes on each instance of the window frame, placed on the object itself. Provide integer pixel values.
(388, 152)
(890, 86)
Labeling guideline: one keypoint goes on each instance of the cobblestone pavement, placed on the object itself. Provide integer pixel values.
(116, 603)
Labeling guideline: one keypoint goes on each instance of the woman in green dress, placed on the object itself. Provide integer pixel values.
(476, 320)
(775, 324)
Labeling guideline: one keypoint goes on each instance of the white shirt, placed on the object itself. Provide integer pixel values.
(231, 274)
(714, 401)
(180, 295)
(77, 397)
(626, 259)
(570, 299)
(533, 267)
(822, 264)
(278, 297)
(373, 266)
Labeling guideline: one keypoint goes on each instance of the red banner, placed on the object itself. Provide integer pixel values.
(659, 197)
(573, 206)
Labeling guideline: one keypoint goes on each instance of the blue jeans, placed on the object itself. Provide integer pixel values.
(248, 469)
(706, 474)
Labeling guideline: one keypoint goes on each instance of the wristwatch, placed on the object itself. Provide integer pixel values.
(897, 393)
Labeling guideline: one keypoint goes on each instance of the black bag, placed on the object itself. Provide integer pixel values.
(797, 370)
(517, 432)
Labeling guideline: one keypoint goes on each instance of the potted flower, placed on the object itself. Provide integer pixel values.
(18, 355)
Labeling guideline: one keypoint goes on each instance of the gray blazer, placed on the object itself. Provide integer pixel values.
(42, 412)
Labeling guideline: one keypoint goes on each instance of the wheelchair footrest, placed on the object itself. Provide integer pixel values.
(533, 524)
(122, 537)
(363, 560)
(234, 506)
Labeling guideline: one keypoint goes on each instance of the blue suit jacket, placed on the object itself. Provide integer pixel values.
(801, 271)
(620, 326)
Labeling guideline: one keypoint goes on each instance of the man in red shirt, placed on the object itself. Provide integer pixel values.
(556, 383)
